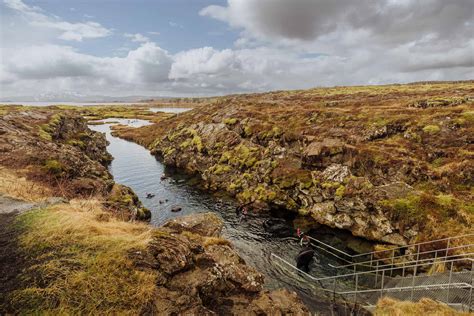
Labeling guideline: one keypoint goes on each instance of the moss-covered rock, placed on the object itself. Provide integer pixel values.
(125, 203)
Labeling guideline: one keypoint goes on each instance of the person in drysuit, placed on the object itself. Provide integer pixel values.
(305, 256)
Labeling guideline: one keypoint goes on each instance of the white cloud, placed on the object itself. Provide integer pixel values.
(282, 45)
(202, 61)
(137, 37)
(398, 21)
(68, 31)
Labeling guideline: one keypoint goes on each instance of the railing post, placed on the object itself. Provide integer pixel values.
(356, 289)
(355, 268)
(382, 284)
(413, 280)
(449, 282)
(447, 249)
(417, 254)
(371, 259)
(376, 273)
(472, 285)
(393, 259)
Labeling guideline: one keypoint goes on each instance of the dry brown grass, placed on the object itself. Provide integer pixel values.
(81, 262)
(390, 307)
(209, 241)
(16, 186)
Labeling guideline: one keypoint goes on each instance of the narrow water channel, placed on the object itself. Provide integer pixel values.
(134, 166)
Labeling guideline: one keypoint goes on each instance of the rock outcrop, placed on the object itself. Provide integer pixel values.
(364, 162)
(201, 273)
(56, 148)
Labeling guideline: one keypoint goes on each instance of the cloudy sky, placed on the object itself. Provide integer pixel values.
(209, 47)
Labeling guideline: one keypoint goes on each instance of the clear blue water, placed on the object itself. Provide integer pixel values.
(134, 166)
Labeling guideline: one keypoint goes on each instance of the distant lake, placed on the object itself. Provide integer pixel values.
(41, 103)
(169, 110)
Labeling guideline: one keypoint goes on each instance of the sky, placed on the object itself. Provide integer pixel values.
(213, 47)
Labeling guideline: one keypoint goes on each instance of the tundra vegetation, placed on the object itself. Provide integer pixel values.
(389, 163)
(79, 245)
(393, 164)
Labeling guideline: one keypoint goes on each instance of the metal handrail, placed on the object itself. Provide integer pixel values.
(384, 272)
(373, 261)
(461, 285)
(412, 245)
(363, 272)
(323, 249)
(331, 247)
(403, 263)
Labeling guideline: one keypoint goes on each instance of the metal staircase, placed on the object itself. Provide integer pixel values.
(441, 270)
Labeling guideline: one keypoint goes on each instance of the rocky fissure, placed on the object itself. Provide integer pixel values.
(372, 169)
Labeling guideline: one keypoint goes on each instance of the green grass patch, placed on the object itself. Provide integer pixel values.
(80, 265)
(431, 129)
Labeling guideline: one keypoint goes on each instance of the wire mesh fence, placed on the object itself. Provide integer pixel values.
(444, 274)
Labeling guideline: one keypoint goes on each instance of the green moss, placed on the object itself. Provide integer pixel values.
(438, 162)
(45, 130)
(225, 157)
(469, 208)
(431, 129)
(303, 211)
(43, 134)
(417, 208)
(53, 166)
(445, 200)
(230, 121)
(264, 194)
(272, 133)
(243, 156)
(468, 116)
(246, 196)
(220, 169)
(197, 143)
(404, 208)
(330, 185)
(233, 186)
(169, 151)
(248, 131)
(291, 204)
(340, 191)
(247, 176)
(76, 143)
(185, 144)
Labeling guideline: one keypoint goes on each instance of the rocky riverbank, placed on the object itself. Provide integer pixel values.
(388, 163)
(56, 148)
(199, 273)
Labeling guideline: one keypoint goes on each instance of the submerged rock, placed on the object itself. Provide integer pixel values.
(176, 209)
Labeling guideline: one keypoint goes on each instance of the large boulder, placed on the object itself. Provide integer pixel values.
(330, 150)
(204, 224)
(199, 273)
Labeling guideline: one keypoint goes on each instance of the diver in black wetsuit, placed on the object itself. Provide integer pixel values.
(305, 256)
